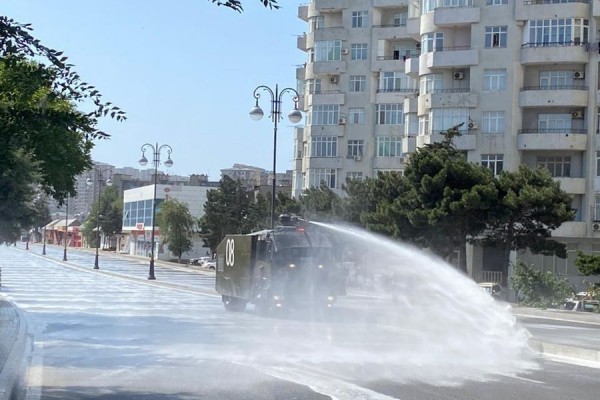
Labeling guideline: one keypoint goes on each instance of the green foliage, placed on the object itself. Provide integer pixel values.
(587, 264)
(176, 226)
(321, 204)
(539, 289)
(285, 204)
(110, 209)
(225, 212)
(360, 200)
(237, 4)
(44, 139)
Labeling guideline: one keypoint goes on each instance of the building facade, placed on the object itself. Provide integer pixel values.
(520, 77)
(137, 218)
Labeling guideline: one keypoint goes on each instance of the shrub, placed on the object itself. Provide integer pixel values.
(539, 289)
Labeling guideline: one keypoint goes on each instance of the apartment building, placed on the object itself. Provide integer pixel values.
(384, 77)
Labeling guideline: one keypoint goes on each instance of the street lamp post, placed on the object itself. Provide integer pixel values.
(44, 246)
(168, 163)
(257, 113)
(66, 229)
(99, 177)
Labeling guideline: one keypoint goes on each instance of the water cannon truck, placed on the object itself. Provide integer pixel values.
(293, 266)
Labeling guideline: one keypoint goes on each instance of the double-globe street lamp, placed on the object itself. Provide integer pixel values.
(257, 113)
(66, 229)
(156, 149)
(99, 177)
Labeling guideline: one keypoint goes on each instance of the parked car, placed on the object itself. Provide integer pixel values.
(582, 301)
(199, 260)
(211, 264)
(494, 289)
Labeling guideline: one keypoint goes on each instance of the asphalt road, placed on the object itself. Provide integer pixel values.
(111, 334)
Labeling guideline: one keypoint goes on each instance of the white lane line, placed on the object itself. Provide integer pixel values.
(335, 388)
(572, 361)
(557, 319)
(524, 379)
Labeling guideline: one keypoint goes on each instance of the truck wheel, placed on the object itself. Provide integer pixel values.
(234, 304)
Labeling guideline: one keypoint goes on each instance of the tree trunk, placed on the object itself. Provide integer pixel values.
(507, 249)
(462, 256)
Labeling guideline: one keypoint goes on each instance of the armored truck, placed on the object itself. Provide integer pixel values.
(294, 265)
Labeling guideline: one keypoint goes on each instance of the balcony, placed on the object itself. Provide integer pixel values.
(413, 28)
(389, 3)
(456, 16)
(301, 42)
(325, 6)
(441, 98)
(540, 9)
(554, 53)
(303, 12)
(325, 68)
(301, 72)
(554, 96)
(381, 32)
(449, 57)
(552, 139)
(575, 229)
(411, 66)
(389, 63)
(410, 105)
(326, 97)
(324, 162)
(331, 33)
(393, 95)
(466, 141)
(596, 8)
(388, 163)
(409, 144)
(572, 185)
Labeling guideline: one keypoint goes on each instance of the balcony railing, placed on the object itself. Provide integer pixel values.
(535, 2)
(403, 24)
(554, 44)
(555, 87)
(553, 131)
(324, 91)
(403, 90)
(403, 57)
(456, 90)
(450, 48)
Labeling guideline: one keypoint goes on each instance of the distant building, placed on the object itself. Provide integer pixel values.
(247, 175)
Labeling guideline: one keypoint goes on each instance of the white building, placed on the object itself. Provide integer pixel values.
(137, 217)
(384, 77)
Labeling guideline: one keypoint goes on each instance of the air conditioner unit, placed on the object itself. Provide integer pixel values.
(577, 115)
(345, 51)
(357, 158)
(459, 75)
(334, 80)
(418, 46)
(596, 226)
(472, 126)
(342, 121)
(578, 75)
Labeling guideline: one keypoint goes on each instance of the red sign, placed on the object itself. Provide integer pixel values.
(139, 226)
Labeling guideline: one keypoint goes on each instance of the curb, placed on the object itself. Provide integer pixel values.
(12, 372)
(566, 351)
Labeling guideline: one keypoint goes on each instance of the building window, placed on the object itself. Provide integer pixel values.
(317, 23)
(354, 175)
(494, 80)
(597, 164)
(493, 122)
(358, 51)
(328, 50)
(325, 114)
(496, 2)
(597, 210)
(549, 79)
(400, 18)
(323, 146)
(313, 86)
(559, 166)
(558, 31)
(355, 148)
(390, 114)
(389, 146)
(495, 36)
(432, 41)
(139, 212)
(553, 122)
(357, 83)
(356, 116)
(360, 19)
(494, 162)
(430, 82)
(396, 82)
(318, 175)
(443, 119)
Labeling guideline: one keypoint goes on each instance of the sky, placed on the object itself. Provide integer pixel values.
(184, 71)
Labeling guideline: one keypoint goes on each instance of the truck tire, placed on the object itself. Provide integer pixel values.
(234, 304)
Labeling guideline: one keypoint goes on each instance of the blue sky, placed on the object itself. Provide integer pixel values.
(183, 70)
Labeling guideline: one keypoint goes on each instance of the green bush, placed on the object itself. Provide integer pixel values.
(539, 289)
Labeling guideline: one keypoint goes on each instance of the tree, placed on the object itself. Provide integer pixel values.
(259, 215)
(225, 212)
(449, 198)
(41, 216)
(537, 288)
(39, 121)
(359, 200)
(321, 204)
(530, 206)
(176, 226)
(285, 204)
(237, 4)
(587, 264)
